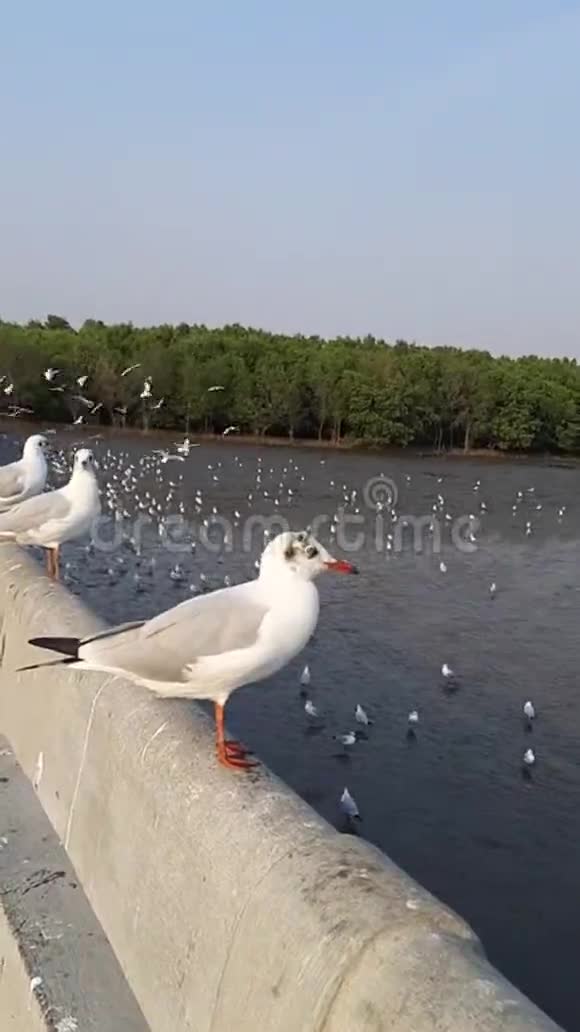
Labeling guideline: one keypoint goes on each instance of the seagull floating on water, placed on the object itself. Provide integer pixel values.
(349, 806)
(361, 715)
(529, 712)
(529, 757)
(211, 645)
(447, 671)
(347, 739)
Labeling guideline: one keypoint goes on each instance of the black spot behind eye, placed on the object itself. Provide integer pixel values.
(311, 551)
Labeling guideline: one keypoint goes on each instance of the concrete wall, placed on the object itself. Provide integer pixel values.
(229, 903)
(57, 969)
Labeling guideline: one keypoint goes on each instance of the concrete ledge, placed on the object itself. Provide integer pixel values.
(229, 903)
(57, 970)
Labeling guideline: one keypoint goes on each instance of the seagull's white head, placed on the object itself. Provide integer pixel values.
(84, 459)
(300, 554)
(35, 445)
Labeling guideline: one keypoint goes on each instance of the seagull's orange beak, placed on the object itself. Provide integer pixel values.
(341, 566)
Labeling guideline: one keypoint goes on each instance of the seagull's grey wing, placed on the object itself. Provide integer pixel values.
(162, 648)
(11, 480)
(35, 512)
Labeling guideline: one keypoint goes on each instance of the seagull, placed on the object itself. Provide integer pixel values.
(49, 374)
(346, 739)
(529, 711)
(185, 447)
(81, 380)
(447, 671)
(166, 456)
(131, 369)
(413, 718)
(230, 430)
(9, 389)
(349, 807)
(443, 567)
(84, 401)
(51, 519)
(216, 387)
(492, 588)
(212, 644)
(305, 676)
(361, 716)
(529, 757)
(310, 708)
(27, 477)
(19, 410)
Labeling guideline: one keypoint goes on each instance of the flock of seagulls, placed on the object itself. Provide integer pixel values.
(225, 634)
(90, 407)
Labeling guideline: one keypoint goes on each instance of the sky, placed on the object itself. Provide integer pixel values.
(410, 170)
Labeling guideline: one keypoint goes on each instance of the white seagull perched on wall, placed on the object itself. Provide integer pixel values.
(51, 519)
(27, 477)
(208, 646)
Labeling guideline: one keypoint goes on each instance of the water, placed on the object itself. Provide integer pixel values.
(452, 806)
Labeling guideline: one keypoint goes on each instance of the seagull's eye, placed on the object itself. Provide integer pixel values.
(311, 551)
(301, 537)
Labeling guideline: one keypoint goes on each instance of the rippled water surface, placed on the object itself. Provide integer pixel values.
(451, 805)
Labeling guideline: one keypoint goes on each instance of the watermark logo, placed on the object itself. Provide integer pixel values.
(380, 493)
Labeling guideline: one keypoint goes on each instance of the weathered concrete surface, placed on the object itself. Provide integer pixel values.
(57, 970)
(228, 901)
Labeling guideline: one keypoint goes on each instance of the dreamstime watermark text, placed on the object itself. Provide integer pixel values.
(375, 525)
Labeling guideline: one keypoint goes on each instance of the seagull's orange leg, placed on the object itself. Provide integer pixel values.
(230, 754)
(52, 562)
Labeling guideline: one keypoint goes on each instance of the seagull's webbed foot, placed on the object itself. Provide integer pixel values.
(233, 755)
(230, 753)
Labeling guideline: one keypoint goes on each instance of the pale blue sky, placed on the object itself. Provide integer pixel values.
(403, 169)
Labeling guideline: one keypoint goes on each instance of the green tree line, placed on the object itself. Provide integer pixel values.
(360, 389)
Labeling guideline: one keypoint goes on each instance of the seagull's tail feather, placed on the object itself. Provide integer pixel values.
(68, 647)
